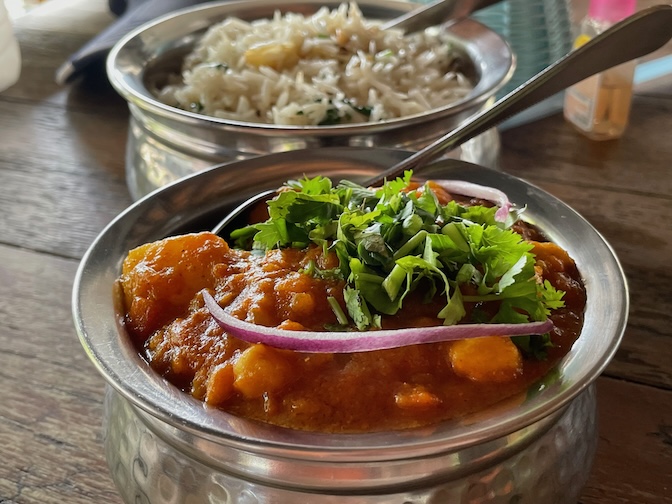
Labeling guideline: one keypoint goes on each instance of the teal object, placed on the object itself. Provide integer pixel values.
(539, 32)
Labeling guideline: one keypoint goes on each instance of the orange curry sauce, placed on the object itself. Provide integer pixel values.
(359, 392)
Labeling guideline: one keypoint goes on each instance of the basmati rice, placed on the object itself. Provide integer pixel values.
(333, 67)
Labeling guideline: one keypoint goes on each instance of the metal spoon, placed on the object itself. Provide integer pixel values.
(632, 38)
(435, 13)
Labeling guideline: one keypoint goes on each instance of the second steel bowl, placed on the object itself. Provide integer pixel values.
(166, 143)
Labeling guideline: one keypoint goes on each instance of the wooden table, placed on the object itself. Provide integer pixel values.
(62, 180)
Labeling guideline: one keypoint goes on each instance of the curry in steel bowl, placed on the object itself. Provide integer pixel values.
(393, 307)
(165, 445)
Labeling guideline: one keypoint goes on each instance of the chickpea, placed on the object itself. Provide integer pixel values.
(301, 306)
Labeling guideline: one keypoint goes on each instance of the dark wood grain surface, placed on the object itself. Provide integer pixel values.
(62, 180)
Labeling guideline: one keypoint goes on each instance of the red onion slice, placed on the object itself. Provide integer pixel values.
(346, 342)
(478, 191)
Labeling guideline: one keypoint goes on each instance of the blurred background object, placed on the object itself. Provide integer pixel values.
(539, 32)
(10, 56)
(599, 107)
(17, 8)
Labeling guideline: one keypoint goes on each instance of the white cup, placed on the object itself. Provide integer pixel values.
(10, 56)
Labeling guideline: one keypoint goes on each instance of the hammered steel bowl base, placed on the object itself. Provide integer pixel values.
(552, 469)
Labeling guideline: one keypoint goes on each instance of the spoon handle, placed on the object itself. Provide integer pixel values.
(435, 13)
(632, 38)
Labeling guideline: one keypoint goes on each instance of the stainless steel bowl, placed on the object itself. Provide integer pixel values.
(165, 143)
(163, 445)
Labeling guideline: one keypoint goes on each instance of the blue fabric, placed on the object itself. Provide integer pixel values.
(132, 14)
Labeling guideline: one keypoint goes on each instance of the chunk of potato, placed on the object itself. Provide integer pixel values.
(411, 397)
(261, 369)
(553, 254)
(486, 359)
(160, 279)
(219, 384)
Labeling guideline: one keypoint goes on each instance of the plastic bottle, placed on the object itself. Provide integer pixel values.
(599, 106)
(10, 57)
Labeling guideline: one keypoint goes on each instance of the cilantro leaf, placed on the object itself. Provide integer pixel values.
(358, 310)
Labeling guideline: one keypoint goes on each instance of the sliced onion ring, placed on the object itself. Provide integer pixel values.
(353, 341)
(478, 191)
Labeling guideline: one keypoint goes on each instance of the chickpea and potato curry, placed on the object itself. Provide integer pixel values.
(325, 274)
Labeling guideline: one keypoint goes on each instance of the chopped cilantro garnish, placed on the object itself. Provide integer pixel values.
(331, 117)
(334, 116)
(364, 110)
(387, 53)
(389, 241)
(196, 107)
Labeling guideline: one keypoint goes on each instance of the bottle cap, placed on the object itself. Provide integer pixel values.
(611, 10)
